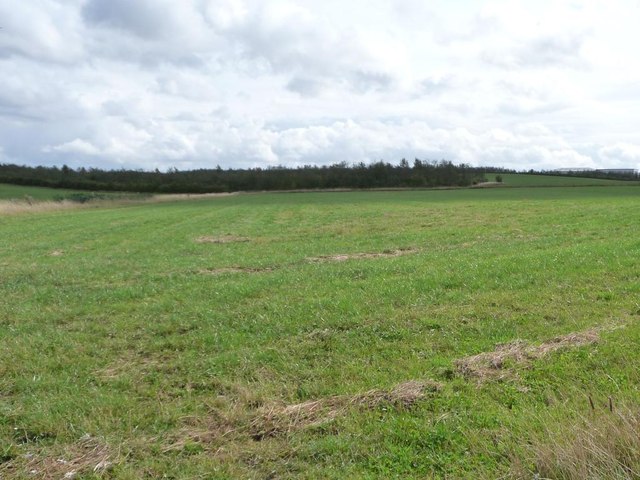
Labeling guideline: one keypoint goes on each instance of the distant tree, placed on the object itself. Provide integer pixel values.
(499, 178)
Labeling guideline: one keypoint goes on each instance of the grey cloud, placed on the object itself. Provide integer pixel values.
(151, 33)
(562, 51)
(434, 85)
(115, 108)
(365, 81)
(310, 49)
(41, 31)
(305, 86)
(146, 19)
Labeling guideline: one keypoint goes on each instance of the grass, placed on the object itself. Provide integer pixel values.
(526, 180)
(20, 192)
(601, 444)
(132, 348)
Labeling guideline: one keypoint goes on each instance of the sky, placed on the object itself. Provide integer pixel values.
(189, 84)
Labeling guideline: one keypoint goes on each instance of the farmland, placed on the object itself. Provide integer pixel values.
(319, 335)
(532, 180)
(20, 192)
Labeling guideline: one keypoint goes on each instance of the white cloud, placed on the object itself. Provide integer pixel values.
(621, 155)
(42, 30)
(77, 145)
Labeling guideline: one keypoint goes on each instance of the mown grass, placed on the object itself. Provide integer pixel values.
(115, 333)
(527, 180)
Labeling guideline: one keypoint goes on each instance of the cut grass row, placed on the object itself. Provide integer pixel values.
(119, 334)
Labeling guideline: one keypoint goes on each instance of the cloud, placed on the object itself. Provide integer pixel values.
(41, 30)
(622, 155)
(254, 144)
(563, 50)
(143, 18)
(77, 145)
(305, 86)
(160, 83)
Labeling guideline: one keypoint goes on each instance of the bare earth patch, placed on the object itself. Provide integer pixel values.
(349, 256)
(87, 456)
(222, 239)
(56, 253)
(277, 420)
(489, 365)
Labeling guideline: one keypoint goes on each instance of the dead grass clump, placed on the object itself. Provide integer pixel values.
(224, 270)
(349, 256)
(489, 365)
(604, 444)
(222, 239)
(213, 431)
(56, 253)
(488, 185)
(87, 456)
(277, 420)
(128, 364)
(16, 207)
(171, 197)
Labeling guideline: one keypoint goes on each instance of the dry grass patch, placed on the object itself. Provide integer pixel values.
(14, 207)
(489, 365)
(222, 428)
(350, 256)
(221, 239)
(603, 444)
(170, 197)
(278, 420)
(225, 270)
(88, 455)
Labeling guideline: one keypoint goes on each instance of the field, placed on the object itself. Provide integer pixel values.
(526, 180)
(20, 192)
(477, 333)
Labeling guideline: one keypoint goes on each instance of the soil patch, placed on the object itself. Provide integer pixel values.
(222, 239)
(350, 256)
(277, 420)
(489, 365)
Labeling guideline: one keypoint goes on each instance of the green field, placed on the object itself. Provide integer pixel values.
(526, 180)
(324, 335)
(20, 192)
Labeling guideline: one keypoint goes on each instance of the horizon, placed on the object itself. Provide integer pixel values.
(489, 169)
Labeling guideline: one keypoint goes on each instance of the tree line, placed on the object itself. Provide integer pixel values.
(419, 174)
